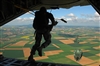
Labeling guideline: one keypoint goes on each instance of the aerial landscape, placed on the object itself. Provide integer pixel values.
(74, 26)
(16, 42)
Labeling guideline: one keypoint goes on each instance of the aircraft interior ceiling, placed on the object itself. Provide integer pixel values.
(12, 9)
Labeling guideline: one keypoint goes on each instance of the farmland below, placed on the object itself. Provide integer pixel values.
(16, 42)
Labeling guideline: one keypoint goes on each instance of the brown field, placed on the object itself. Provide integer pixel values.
(7, 45)
(40, 58)
(55, 45)
(71, 38)
(31, 42)
(48, 53)
(1, 53)
(20, 43)
(59, 37)
(82, 42)
(95, 64)
(83, 61)
(98, 54)
(93, 42)
(98, 47)
(97, 32)
(1, 49)
(83, 50)
(67, 41)
(26, 52)
(13, 48)
(91, 39)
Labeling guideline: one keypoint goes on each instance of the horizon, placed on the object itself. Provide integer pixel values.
(54, 26)
(76, 16)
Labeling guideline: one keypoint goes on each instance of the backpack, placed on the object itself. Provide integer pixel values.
(41, 20)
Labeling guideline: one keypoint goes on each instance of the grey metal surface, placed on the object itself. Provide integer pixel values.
(18, 62)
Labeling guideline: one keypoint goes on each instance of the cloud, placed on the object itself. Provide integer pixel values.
(19, 18)
(21, 21)
(71, 14)
(31, 18)
(96, 14)
(72, 19)
(30, 12)
(83, 20)
(27, 13)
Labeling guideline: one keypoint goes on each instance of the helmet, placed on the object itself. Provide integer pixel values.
(43, 9)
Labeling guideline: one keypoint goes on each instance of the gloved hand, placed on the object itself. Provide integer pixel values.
(55, 23)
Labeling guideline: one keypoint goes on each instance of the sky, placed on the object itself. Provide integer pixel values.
(75, 16)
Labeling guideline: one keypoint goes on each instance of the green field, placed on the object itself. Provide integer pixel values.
(16, 42)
